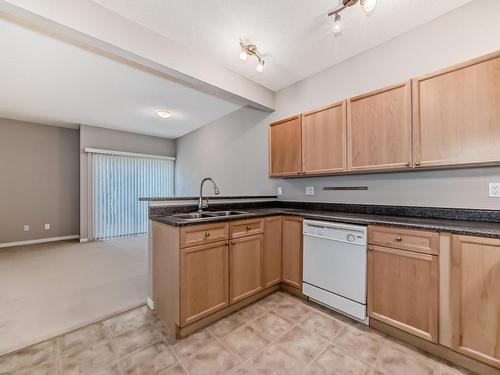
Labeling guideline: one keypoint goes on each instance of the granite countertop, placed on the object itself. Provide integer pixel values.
(477, 228)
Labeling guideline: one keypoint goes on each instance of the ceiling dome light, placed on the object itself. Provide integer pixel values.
(337, 24)
(243, 55)
(368, 5)
(260, 66)
(164, 114)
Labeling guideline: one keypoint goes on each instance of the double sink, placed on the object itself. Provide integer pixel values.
(209, 214)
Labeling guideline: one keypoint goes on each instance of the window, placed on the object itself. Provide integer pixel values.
(118, 181)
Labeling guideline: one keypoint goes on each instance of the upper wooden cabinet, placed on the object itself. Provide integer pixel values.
(379, 129)
(475, 297)
(456, 114)
(324, 140)
(285, 143)
(292, 251)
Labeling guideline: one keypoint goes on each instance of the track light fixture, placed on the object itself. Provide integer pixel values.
(251, 49)
(368, 6)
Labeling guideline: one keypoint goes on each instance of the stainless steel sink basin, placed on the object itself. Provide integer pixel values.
(193, 216)
(208, 214)
(226, 213)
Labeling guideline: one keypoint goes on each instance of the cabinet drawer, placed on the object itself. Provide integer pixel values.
(202, 234)
(407, 239)
(243, 228)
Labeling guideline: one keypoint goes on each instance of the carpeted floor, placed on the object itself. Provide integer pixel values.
(49, 289)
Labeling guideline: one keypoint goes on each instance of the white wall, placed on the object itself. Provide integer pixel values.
(465, 33)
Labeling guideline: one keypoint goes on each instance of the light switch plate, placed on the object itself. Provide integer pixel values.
(310, 190)
(494, 190)
(26, 228)
(47, 226)
(280, 190)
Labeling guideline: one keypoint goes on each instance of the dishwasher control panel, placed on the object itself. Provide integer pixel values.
(355, 234)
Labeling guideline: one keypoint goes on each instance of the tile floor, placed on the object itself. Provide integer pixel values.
(277, 335)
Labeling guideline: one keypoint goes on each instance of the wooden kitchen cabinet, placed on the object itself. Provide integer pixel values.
(324, 136)
(379, 131)
(203, 281)
(246, 266)
(285, 147)
(456, 114)
(475, 297)
(292, 251)
(272, 250)
(403, 290)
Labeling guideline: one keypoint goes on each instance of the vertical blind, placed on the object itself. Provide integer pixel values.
(117, 184)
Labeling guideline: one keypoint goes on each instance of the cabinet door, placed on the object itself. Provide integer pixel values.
(285, 147)
(456, 114)
(379, 129)
(324, 140)
(403, 290)
(246, 267)
(272, 251)
(475, 297)
(292, 251)
(204, 281)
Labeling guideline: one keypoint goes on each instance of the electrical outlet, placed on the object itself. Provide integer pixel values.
(47, 226)
(26, 228)
(494, 190)
(310, 190)
(280, 190)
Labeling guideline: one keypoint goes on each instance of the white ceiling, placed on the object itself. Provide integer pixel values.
(47, 80)
(294, 34)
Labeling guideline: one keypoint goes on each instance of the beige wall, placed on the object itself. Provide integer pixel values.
(39, 181)
(240, 160)
(107, 139)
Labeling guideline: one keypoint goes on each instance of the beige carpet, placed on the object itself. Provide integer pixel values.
(49, 289)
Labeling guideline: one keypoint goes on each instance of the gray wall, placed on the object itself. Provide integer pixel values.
(239, 162)
(39, 181)
(107, 139)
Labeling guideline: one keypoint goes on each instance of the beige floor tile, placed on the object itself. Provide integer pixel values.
(193, 343)
(292, 309)
(251, 312)
(326, 326)
(135, 340)
(394, 362)
(272, 325)
(151, 360)
(302, 344)
(273, 300)
(128, 321)
(226, 325)
(47, 369)
(275, 360)
(89, 360)
(245, 341)
(211, 359)
(81, 339)
(36, 355)
(334, 361)
(174, 370)
(448, 369)
(362, 343)
(243, 369)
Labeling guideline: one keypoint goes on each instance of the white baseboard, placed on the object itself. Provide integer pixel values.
(150, 303)
(42, 240)
(84, 240)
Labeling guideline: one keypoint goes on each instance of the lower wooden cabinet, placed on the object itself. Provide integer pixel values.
(403, 290)
(475, 297)
(203, 281)
(292, 251)
(246, 266)
(272, 250)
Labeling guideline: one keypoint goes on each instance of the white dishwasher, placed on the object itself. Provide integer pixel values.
(335, 261)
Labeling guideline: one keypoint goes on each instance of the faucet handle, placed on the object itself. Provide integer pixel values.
(204, 203)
